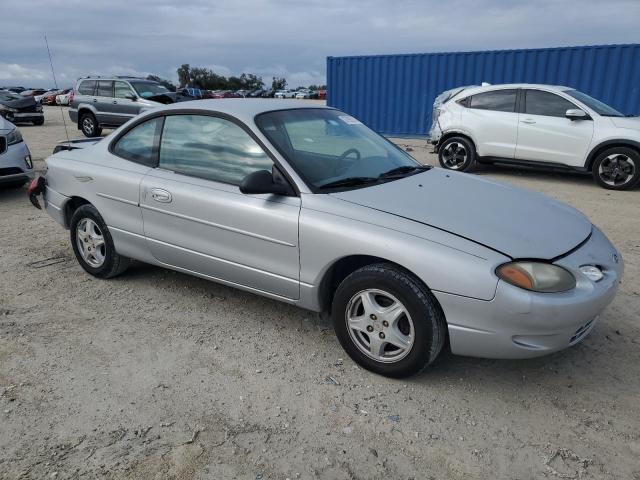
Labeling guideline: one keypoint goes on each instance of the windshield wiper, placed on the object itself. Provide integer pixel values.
(349, 182)
(403, 170)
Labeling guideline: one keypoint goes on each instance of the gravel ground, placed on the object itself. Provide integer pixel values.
(158, 375)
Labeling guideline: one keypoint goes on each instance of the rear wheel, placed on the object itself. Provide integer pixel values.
(89, 125)
(617, 168)
(388, 321)
(457, 153)
(93, 245)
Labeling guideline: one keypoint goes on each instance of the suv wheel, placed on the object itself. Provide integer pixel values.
(93, 245)
(457, 153)
(617, 168)
(388, 321)
(89, 125)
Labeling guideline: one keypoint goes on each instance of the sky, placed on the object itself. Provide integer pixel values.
(290, 38)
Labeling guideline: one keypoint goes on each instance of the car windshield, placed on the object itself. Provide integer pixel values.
(332, 150)
(597, 106)
(148, 89)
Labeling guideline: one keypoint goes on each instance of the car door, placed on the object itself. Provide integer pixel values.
(546, 135)
(103, 102)
(492, 120)
(124, 105)
(197, 220)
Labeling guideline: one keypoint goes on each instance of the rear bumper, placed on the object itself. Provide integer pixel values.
(54, 204)
(73, 115)
(522, 324)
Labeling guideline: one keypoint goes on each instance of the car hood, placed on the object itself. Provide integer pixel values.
(19, 103)
(626, 122)
(511, 220)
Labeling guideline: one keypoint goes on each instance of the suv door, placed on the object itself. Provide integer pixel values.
(196, 219)
(546, 135)
(124, 101)
(103, 102)
(492, 120)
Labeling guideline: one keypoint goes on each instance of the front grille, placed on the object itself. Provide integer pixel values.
(580, 333)
(3, 144)
(10, 171)
(29, 109)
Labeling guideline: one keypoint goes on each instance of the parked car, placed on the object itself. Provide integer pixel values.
(51, 98)
(322, 94)
(14, 89)
(306, 205)
(537, 126)
(108, 102)
(33, 92)
(285, 94)
(268, 94)
(256, 93)
(302, 94)
(194, 93)
(16, 108)
(16, 165)
(63, 98)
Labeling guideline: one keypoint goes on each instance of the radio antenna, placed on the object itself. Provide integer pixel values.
(55, 84)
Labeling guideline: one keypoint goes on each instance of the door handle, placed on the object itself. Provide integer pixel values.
(95, 100)
(115, 102)
(161, 195)
(529, 121)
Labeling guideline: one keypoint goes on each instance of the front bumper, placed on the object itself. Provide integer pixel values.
(25, 116)
(13, 166)
(522, 324)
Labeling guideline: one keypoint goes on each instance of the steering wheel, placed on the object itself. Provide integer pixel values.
(340, 164)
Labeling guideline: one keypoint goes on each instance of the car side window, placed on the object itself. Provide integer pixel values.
(211, 148)
(105, 89)
(497, 100)
(549, 104)
(87, 87)
(122, 90)
(140, 144)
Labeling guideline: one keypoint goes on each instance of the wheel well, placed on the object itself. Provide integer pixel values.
(81, 112)
(341, 269)
(598, 150)
(448, 135)
(71, 206)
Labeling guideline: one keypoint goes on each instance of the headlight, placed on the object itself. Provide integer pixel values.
(537, 276)
(14, 137)
(4, 108)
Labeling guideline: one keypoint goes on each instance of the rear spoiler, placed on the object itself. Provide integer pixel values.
(76, 144)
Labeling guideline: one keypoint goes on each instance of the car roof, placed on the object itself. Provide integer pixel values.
(241, 108)
(506, 86)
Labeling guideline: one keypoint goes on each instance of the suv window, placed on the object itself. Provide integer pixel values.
(210, 148)
(538, 102)
(105, 89)
(122, 90)
(140, 144)
(497, 100)
(86, 87)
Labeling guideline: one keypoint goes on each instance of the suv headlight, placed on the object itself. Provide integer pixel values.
(536, 276)
(4, 108)
(14, 137)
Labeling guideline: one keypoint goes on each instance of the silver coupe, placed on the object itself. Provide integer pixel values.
(304, 204)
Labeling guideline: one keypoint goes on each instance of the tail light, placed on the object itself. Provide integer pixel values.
(72, 94)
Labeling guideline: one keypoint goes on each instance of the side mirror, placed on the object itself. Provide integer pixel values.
(576, 114)
(264, 181)
(132, 96)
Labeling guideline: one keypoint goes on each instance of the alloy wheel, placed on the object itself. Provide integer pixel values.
(454, 155)
(90, 242)
(617, 170)
(88, 125)
(380, 325)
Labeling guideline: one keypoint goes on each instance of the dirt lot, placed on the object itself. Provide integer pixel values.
(158, 375)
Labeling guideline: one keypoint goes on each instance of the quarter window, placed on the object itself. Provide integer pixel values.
(105, 89)
(545, 103)
(497, 100)
(210, 147)
(122, 90)
(87, 87)
(140, 144)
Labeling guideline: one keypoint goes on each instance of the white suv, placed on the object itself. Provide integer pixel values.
(536, 125)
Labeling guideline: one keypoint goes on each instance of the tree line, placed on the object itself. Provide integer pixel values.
(207, 79)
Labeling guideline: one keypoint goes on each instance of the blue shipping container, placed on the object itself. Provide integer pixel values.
(393, 94)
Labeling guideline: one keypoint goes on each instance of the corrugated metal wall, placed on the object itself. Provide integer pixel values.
(394, 94)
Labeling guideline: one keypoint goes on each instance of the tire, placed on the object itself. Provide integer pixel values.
(112, 263)
(39, 122)
(422, 321)
(457, 153)
(89, 125)
(617, 168)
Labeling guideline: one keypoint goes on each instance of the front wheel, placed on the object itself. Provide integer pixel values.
(388, 321)
(93, 245)
(457, 153)
(617, 168)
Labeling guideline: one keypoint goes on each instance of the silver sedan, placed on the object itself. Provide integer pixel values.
(306, 205)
